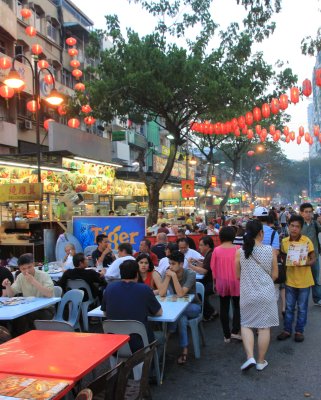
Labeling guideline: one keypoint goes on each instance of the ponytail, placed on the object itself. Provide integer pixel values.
(252, 229)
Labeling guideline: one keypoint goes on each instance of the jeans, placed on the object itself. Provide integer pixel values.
(224, 315)
(293, 297)
(316, 289)
(191, 311)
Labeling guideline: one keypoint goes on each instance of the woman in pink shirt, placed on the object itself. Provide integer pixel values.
(226, 283)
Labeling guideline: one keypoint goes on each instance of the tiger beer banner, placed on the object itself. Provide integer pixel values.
(188, 189)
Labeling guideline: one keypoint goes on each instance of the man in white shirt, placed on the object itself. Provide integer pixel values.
(183, 247)
(125, 251)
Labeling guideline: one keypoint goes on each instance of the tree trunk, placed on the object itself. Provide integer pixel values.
(153, 203)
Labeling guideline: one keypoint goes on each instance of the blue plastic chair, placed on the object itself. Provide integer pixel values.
(88, 252)
(57, 291)
(196, 324)
(72, 299)
(52, 325)
(83, 285)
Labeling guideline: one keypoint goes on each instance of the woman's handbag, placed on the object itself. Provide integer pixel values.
(282, 271)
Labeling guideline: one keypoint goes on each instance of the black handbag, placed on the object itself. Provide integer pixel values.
(282, 272)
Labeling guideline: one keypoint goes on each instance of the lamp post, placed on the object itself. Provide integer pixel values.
(14, 81)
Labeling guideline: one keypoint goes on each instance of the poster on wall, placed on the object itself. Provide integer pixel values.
(117, 229)
(188, 188)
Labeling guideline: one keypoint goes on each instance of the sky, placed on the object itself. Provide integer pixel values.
(297, 20)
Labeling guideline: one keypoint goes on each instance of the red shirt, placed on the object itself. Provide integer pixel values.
(152, 256)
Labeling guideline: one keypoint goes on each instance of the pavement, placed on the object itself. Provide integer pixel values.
(294, 370)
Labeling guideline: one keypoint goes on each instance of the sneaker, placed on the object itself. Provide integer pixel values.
(283, 335)
(227, 340)
(318, 303)
(261, 366)
(236, 336)
(248, 364)
(298, 337)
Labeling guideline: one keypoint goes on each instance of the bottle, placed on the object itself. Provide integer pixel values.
(45, 265)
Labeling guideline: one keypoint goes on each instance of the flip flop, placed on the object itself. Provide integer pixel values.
(182, 359)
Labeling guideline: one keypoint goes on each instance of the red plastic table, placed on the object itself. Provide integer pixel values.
(67, 355)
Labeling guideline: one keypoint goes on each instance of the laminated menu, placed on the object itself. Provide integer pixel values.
(20, 387)
(297, 254)
(174, 298)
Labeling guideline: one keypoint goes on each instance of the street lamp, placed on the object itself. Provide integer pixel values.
(15, 81)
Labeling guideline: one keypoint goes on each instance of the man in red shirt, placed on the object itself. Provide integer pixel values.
(144, 247)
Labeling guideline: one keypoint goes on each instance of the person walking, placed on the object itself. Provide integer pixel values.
(256, 266)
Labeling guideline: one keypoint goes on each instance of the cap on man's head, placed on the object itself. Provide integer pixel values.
(260, 212)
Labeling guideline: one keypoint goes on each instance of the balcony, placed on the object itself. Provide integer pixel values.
(137, 140)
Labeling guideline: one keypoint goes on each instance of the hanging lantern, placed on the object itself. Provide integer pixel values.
(266, 110)
(74, 63)
(258, 168)
(320, 138)
(234, 123)
(43, 64)
(46, 123)
(25, 13)
(48, 79)
(76, 73)
(73, 123)
(306, 87)
(32, 106)
(228, 127)
(287, 139)
(283, 102)
(72, 52)
(294, 95)
(250, 134)
(262, 138)
(237, 132)
(218, 128)
(71, 41)
(301, 131)
(292, 135)
(249, 118)
(80, 87)
(272, 129)
(258, 129)
(275, 106)
(311, 141)
(31, 31)
(89, 120)
(211, 129)
(316, 130)
(241, 122)
(263, 132)
(250, 153)
(275, 137)
(5, 63)
(6, 92)
(257, 115)
(307, 136)
(62, 109)
(244, 130)
(36, 49)
(286, 130)
(298, 140)
(318, 77)
(87, 109)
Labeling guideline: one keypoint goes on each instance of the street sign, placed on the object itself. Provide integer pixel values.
(234, 200)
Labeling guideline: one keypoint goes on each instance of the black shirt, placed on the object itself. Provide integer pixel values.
(159, 250)
(207, 265)
(109, 258)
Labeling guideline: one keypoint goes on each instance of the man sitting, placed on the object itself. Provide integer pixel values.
(125, 252)
(129, 300)
(103, 255)
(94, 279)
(188, 253)
(159, 247)
(182, 235)
(31, 283)
(144, 248)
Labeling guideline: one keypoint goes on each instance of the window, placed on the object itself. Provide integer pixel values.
(19, 50)
(67, 78)
(2, 46)
(52, 31)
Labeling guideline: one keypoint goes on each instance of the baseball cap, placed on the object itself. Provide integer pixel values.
(260, 212)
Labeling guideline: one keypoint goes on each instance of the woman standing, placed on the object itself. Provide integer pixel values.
(256, 266)
(227, 284)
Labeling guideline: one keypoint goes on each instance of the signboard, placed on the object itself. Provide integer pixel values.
(178, 170)
(234, 200)
(188, 188)
(19, 192)
(118, 136)
(117, 229)
(213, 181)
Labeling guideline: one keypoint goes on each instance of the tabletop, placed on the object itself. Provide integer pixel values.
(172, 306)
(66, 355)
(19, 306)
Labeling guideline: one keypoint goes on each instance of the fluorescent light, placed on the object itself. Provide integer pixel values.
(97, 162)
(12, 164)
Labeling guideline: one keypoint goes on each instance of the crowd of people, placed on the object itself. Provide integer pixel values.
(244, 270)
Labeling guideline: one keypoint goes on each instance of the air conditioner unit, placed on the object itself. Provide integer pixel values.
(27, 124)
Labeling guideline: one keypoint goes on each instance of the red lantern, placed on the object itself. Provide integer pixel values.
(275, 137)
(62, 109)
(272, 129)
(263, 132)
(25, 13)
(292, 135)
(6, 92)
(320, 138)
(250, 134)
(266, 110)
(250, 153)
(31, 31)
(257, 168)
(257, 115)
(283, 102)
(36, 49)
(318, 77)
(286, 130)
(241, 122)
(275, 106)
(48, 79)
(258, 129)
(234, 123)
(237, 132)
(211, 129)
(287, 139)
(307, 136)
(86, 109)
(301, 131)
(80, 87)
(316, 130)
(5, 63)
(46, 123)
(43, 64)
(311, 141)
(73, 123)
(71, 41)
(74, 63)
(89, 120)
(244, 130)
(76, 73)
(72, 52)
(298, 140)
(228, 127)
(294, 95)
(249, 118)
(306, 87)
(32, 106)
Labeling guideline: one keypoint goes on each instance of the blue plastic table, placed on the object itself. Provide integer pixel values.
(31, 304)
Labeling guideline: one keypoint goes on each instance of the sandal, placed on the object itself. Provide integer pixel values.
(182, 359)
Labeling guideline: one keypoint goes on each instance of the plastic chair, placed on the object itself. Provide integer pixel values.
(72, 299)
(83, 285)
(84, 394)
(57, 291)
(52, 325)
(105, 386)
(129, 327)
(88, 252)
(196, 324)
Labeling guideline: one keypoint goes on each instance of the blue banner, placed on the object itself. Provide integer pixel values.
(117, 229)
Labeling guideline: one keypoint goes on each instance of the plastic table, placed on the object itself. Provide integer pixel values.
(66, 355)
(31, 304)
